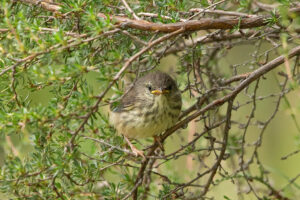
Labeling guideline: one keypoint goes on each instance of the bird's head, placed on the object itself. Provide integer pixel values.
(157, 85)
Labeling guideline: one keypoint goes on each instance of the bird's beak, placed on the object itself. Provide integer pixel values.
(159, 91)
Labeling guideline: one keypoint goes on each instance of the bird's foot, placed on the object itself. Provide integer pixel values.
(137, 152)
(134, 150)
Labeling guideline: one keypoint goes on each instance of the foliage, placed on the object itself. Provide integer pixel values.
(61, 66)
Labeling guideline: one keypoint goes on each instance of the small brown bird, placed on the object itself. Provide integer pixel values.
(150, 107)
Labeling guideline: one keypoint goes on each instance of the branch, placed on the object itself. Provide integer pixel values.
(44, 4)
(193, 25)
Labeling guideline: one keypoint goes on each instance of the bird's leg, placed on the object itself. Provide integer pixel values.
(134, 149)
(158, 140)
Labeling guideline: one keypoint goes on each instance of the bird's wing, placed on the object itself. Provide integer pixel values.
(126, 103)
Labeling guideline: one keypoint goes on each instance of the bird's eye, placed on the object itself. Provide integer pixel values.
(169, 87)
(149, 87)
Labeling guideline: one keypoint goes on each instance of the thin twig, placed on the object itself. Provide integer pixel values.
(130, 10)
(223, 149)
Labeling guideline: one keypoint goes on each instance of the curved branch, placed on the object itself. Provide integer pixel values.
(193, 25)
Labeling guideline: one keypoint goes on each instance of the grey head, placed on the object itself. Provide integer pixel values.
(144, 91)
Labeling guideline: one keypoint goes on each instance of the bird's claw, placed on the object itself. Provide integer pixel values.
(137, 152)
(134, 150)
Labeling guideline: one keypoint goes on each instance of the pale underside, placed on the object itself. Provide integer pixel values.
(148, 122)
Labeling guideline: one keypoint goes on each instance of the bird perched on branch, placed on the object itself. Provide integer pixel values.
(151, 106)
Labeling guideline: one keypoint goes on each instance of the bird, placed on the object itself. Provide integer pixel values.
(151, 105)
